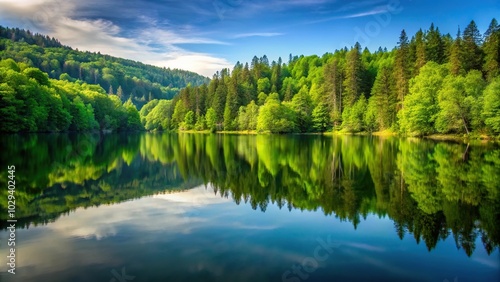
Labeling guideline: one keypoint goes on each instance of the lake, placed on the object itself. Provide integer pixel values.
(194, 207)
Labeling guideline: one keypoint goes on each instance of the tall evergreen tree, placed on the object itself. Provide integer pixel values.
(333, 86)
(231, 107)
(385, 97)
(402, 68)
(491, 48)
(219, 99)
(420, 58)
(456, 66)
(472, 55)
(353, 75)
(434, 45)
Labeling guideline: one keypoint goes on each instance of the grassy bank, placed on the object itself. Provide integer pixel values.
(384, 133)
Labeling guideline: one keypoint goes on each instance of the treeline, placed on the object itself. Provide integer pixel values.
(431, 83)
(31, 102)
(126, 78)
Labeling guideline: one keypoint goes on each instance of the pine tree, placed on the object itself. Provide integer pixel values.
(472, 56)
(402, 69)
(385, 97)
(231, 107)
(110, 91)
(333, 86)
(456, 66)
(434, 46)
(419, 51)
(353, 78)
(491, 48)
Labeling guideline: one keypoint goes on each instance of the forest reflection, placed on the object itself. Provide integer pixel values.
(430, 190)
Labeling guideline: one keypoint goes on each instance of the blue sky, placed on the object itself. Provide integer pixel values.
(207, 35)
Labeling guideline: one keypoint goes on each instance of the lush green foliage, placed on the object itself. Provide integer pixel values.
(421, 87)
(431, 83)
(126, 78)
(31, 102)
(491, 112)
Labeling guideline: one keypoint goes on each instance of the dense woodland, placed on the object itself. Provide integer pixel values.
(126, 78)
(31, 102)
(431, 83)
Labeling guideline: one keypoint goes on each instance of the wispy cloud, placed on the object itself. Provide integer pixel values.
(258, 34)
(376, 11)
(346, 13)
(148, 42)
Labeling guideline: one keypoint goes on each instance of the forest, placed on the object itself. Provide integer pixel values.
(31, 102)
(126, 78)
(431, 83)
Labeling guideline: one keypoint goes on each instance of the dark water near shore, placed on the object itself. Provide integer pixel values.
(193, 207)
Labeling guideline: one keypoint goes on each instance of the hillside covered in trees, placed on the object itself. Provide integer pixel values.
(431, 83)
(126, 78)
(31, 102)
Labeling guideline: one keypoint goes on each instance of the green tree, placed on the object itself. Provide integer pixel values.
(353, 76)
(434, 45)
(491, 108)
(219, 98)
(333, 76)
(41, 77)
(459, 102)
(275, 117)
(321, 117)
(189, 120)
(133, 117)
(263, 85)
(242, 118)
(353, 117)
(211, 119)
(420, 107)
(384, 96)
(200, 123)
(456, 65)
(252, 111)
(472, 55)
(160, 117)
(261, 98)
(420, 59)
(402, 68)
(371, 116)
(83, 116)
(301, 104)
(491, 49)
(179, 113)
(231, 108)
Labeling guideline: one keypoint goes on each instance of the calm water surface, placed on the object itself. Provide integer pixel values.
(189, 207)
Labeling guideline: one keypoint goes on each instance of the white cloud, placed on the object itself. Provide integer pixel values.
(177, 210)
(58, 19)
(257, 34)
(375, 11)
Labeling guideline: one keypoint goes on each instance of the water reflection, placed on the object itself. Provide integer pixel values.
(429, 190)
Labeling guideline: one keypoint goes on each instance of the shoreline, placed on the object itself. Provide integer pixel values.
(382, 134)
